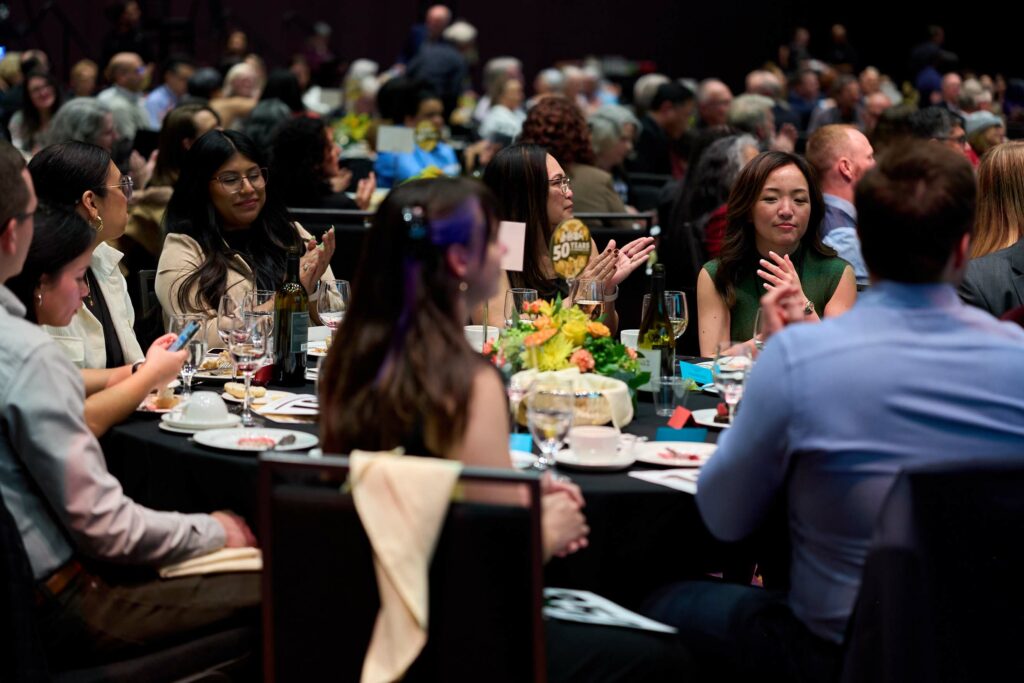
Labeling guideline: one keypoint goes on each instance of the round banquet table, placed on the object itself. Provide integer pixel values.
(642, 535)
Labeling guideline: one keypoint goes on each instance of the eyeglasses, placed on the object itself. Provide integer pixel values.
(563, 183)
(127, 185)
(232, 182)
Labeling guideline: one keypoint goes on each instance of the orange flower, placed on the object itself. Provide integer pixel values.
(488, 347)
(538, 338)
(598, 329)
(631, 353)
(582, 359)
(543, 323)
(531, 307)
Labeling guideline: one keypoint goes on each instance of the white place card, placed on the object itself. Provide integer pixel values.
(684, 480)
(512, 236)
(589, 608)
(397, 139)
(296, 405)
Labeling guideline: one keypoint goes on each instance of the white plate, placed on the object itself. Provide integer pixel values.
(271, 395)
(710, 389)
(317, 349)
(225, 375)
(229, 421)
(651, 452)
(566, 458)
(148, 405)
(227, 439)
(522, 460)
(706, 418)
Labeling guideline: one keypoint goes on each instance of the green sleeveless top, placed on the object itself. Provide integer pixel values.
(819, 277)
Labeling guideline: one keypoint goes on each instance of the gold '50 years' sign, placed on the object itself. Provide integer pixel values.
(570, 248)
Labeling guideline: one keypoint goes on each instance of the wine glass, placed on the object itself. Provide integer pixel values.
(675, 306)
(333, 304)
(759, 330)
(515, 299)
(260, 303)
(590, 297)
(196, 348)
(229, 317)
(732, 363)
(549, 412)
(518, 387)
(248, 346)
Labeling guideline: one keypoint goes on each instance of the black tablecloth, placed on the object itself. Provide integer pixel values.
(642, 535)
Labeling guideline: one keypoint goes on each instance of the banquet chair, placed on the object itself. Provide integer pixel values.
(222, 655)
(320, 597)
(941, 597)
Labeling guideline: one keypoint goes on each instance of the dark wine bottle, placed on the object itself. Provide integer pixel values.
(291, 327)
(656, 341)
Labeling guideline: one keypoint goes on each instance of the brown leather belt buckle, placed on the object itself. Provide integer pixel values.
(55, 584)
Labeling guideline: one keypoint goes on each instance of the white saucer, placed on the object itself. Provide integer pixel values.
(566, 458)
(706, 418)
(522, 460)
(168, 427)
(181, 425)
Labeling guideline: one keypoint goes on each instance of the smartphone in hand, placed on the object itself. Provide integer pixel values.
(186, 334)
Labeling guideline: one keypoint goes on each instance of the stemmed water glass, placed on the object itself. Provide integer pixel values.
(196, 348)
(260, 303)
(333, 304)
(518, 387)
(759, 329)
(515, 300)
(733, 361)
(229, 317)
(549, 412)
(675, 306)
(247, 343)
(590, 297)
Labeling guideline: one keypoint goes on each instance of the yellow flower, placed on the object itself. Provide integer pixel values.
(544, 308)
(598, 329)
(575, 331)
(554, 355)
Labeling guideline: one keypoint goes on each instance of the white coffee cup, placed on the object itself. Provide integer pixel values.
(593, 444)
(205, 408)
(475, 335)
(630, 338)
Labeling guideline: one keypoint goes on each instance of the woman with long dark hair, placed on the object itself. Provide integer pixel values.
(304, 164)
(226, 234)
(42, 100)
(532, 188)
(401, 374)
(771, 238)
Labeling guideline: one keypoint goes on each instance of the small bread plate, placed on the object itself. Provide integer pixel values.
(149, 405)
(256, 440)
(271, 395)
(169, 424)
(522, 460)
(566, 458)
(674, 453)
(224, 375)
(706, 418)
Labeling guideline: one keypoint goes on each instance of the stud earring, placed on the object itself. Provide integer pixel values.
(463, 286)
(39, 298)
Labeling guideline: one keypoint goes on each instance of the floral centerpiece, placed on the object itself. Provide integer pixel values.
(351, 129)
(548, 336)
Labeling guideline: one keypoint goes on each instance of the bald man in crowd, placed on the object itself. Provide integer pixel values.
(713, 100)
(841, 155)
(127, 75)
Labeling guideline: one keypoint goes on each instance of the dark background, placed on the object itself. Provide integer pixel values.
(682, 38)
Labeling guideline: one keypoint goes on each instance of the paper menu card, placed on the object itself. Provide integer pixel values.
(397, 139)
(512, 236)
(589, 608)
(684, 480)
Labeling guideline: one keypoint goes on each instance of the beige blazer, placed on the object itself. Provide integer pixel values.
(182, 256)
(82, 340)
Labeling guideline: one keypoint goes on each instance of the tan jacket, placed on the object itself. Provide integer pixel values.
(182, 256)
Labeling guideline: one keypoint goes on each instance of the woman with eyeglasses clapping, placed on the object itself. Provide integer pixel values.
(227, 234)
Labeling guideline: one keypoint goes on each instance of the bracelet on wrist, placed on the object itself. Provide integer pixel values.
(136, 365)
(609, 298)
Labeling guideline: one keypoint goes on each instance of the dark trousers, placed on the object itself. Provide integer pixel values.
(118, 616)
(744, 633)
(587, 653)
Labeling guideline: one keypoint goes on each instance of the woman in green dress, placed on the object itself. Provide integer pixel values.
(771, 238)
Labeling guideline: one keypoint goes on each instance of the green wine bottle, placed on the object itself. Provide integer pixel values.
(656, 341)
(291, 327)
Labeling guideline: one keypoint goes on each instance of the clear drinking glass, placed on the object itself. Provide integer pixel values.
(260, 303)
(333, 304)
(196, 348)
(549, 412)
(518, 388)
(759, 330)
(229, 317)
(590, 297)
(248, 346)
(675, 306)
(515, 298)
(733, 361)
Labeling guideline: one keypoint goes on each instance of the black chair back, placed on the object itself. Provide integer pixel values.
(320, 597)
(941, 597)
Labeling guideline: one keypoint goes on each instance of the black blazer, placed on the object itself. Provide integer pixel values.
(995, 282)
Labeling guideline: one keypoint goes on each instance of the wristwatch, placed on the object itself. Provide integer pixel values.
(808, 307)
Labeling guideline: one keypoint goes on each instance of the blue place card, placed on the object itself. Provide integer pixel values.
(521, 442)
(698, 374)
(685, 434)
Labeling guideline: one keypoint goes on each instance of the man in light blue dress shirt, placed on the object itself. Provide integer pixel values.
(841, 155)
(831, 413)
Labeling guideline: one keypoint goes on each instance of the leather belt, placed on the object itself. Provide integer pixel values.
(55, 584)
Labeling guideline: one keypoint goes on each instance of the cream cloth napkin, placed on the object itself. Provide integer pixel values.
(218, 562)
(402, 502)
(615, 392)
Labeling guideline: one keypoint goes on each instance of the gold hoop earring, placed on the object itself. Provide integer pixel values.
(98, 225)
(463, 286)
